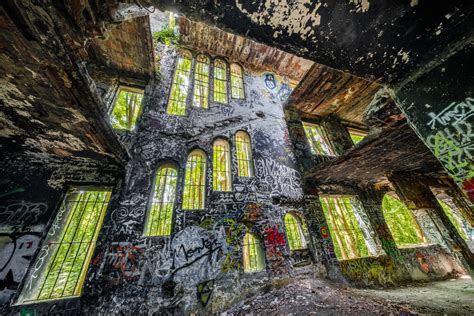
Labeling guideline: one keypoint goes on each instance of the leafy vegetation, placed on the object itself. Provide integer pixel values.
(72, 249)
(126, 110)
(403, 226)
(166, 36)
(254, 258)
(318, 143)
(294, 232)
(348, 238)
(455, 219)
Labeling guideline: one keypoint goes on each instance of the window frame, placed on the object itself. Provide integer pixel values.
(204, 184)
(241, 78)
(225, 80)
(193, 81)
(132, 89)
(251, 167)
(299, 228)
(229, 164)
(180, 54)
(164, 164)
(261, 248)
(323, 135)
(44, 242)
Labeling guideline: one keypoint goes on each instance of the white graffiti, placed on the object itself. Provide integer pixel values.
(459, 112)
(21, 213)
(278, 179)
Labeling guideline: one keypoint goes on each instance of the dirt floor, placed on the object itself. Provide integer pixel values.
(321, 297)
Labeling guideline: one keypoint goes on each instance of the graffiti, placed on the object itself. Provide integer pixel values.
(452, 144)
(278, 179)
(16, 252)
(459, 112)
(204, 291)
(270, 81)
(253, 211)
(275, 250)
(193, 255)
(468, 186)
(423, 262)
(21, 213)
(123, 256)
(16, 190)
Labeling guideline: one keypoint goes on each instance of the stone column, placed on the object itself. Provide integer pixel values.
(338, 134)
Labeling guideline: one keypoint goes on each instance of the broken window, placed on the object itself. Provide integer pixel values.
(180, 86)
(201, 82)
(127, 108)
(459, 222)
(318, 140)
(356, 135)
(220, 81)
(295, 232)
(61, 266)
(194, 181)
(401, 222)
(254, 257)
(244, 154)
(221, 175)
(236, 82)
(160, 214)
(350, 231)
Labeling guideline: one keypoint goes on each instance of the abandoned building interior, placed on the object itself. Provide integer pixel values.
(177, 157)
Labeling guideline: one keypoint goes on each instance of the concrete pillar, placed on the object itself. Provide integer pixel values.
(439, 106)
(338, 134)
(431, 217)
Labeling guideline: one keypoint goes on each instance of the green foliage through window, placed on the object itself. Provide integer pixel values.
(455, 219)
(194, 181)
(356, 135)
(348, 238)
(236, 82)
(317, 140)
(244, 154)
(220, 81)
(160, 215)
(294, 232)
(61, 266)
(180, 86)
(201, 82)
(126, 109)
(254, 257)
(221, 175)
(403, 226)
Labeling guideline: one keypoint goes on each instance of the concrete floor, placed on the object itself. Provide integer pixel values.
(315, 296)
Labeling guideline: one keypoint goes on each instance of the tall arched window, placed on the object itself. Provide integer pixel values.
(244, 154)
(294, 232)
(195, 181)
(180, 86)
(254, 257)
(160, 213)
(236, 82)
(201, 82)
(220, 81)
(403, 226)
(221, 176)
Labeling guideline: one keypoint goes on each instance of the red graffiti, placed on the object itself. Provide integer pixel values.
(273, 237)
(324, 232)
(468, 186)
(423, 262)
(125, 258)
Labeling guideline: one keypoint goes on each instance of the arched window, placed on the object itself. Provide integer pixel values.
(160, 213)
(201, 82)
(180, 86)
(295, 232)
(254, 258)
(220, 81)
(236, 82)
(221, 176)
(244, 154)
(195, 181)
(403, 226)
